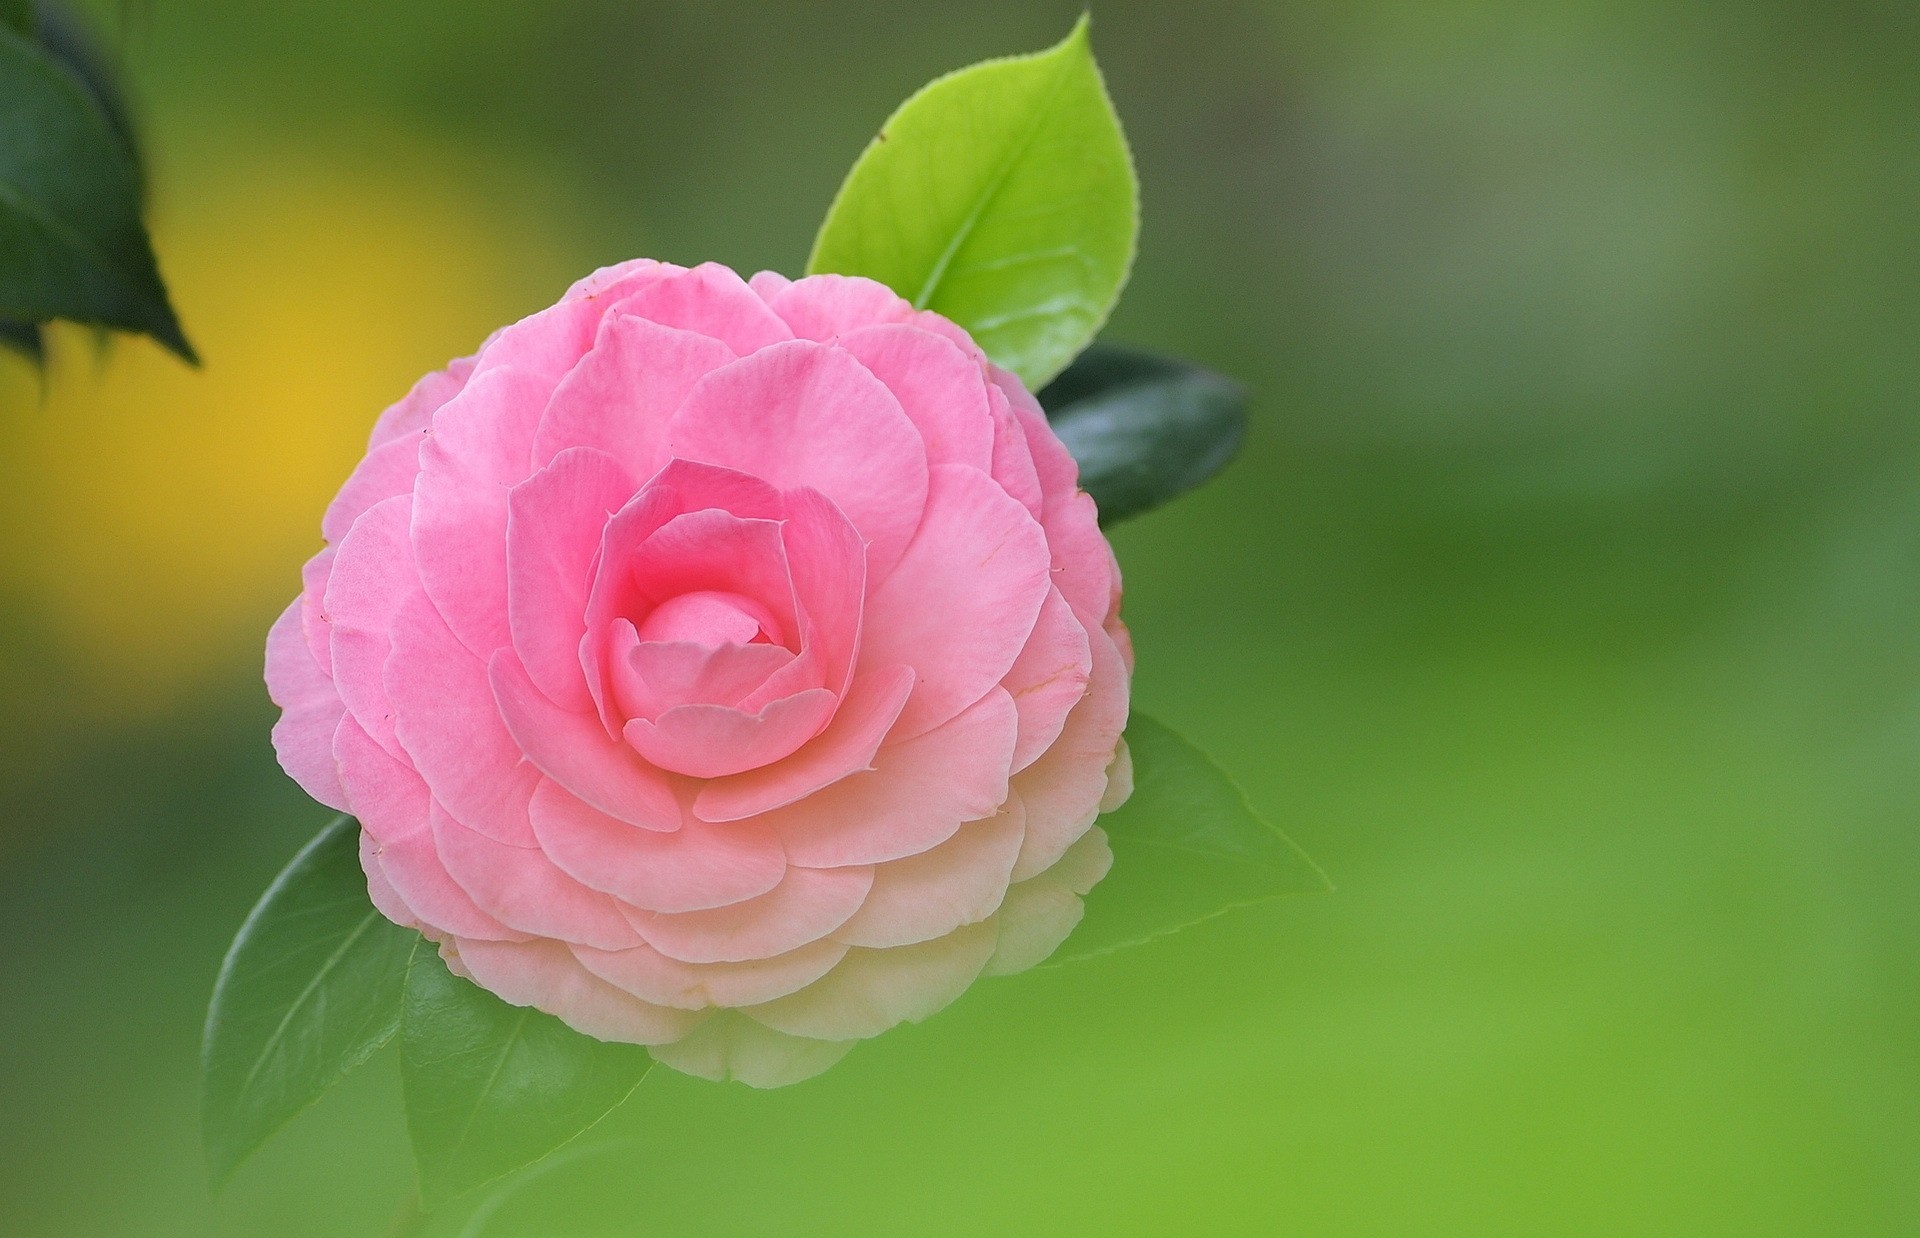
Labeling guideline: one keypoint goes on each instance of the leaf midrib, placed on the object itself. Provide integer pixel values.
(493, 1077)
(313, 985)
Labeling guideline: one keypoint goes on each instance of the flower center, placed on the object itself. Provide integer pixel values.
(710, 618)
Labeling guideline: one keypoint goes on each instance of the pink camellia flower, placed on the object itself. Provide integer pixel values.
(729, 667)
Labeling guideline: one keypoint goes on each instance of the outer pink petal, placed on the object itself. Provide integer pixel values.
(1013, 465)
(373, 574)
(872, 990)
(941, 388)
(694, 868)
(712, 741)
(766, 284)
(521, 888)
(574, 750)
(546, 976)
(554, 524)
(383, 472)
(808, 904)
(931, 894)
(1048, 678)
(393, 807)
(963, 600)
(619, 397)
(711, 300)
(313, 611)
(386, 900)
(1062, 790)
(803, 414)
(732, 1047)
(847, 746)
(1043, 911)
(310, 711)
(410, 416)
(915, 797)
(653, 977)
(622, 279)
(446, 719)
(821, 307)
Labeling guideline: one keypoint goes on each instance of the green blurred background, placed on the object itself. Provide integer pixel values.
(1563, 605)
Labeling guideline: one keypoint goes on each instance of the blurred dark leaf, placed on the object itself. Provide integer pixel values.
(17, 15)
(1144, 429)
(310, 988)
(492, 1087)
(71, 241)
(1003, 197)
(1186, 848)
(24, 338)
(68, 40)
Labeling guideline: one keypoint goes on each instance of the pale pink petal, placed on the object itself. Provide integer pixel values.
(393, 807)
(929, 895)
(609, 283)
(804, 414)
(808, 904)
(699, 552)
(446, 720)
(1062, 790)
(942, 390)
(1083, 566)
(730, 1047)
(915, 797)
(711, 300)
(872, 990)
(555, 520)
(766, 284)
(692, 869)
(386, 900)
(373, 574)
(543, 345)
(619, 397)
(821, 307)
(574, 750)
(311, 711)
(653, 977)
(712, 741)
(963, 600)
(1013, 465)
(827, 562)
(546, 976)
(1042, 912)
(1048, 678)
(657, 675)
(1119, 779)
(313, 611)
(384, 472)
(410, 417)
(521, 888)
(847, 746)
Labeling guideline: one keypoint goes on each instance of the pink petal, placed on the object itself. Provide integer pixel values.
(941, 388)
(694, 868)
(1048, 678)
(846, 746)
(446, 720)
(555, 520)
(915, 797)
(766, 284)
(609, 283)
(373, 574)
(521, 888)
(712, 741)
(803, 414)
(872, 990)
(1041, 912)
(380, 891)
(713, 301)
(1083, 566)
(546, 976)
(820, 307)
(827, 562)
(929, 895)
(1013, 465)
(410, 417)
(574, 750)
(313, 611)
(808, 904)
(700, 551)
(657, 675)
(619, 397)
(384, 472)
(393, 807)
(964, 599)
(1063, 788)
(311, 711)
(732, 1047)
(653, 977)
(1119, 779)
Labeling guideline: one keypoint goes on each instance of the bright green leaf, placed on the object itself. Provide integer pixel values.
(310, 988)
(1003, 197)
(1144, 429)
(492, 1087)
(1186, 848)
(71, 241)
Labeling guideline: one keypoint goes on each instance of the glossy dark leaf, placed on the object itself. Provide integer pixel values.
(1144, 429)
(1186, 848)
(310, 988)
(71, 242)
(492, 1087)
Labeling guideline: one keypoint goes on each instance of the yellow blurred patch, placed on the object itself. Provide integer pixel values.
(157, 516)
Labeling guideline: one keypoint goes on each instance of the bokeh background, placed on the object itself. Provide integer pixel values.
(1563, 605)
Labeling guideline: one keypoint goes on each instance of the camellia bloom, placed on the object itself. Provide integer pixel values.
(729, 667)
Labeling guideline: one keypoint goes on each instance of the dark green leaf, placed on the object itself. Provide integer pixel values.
(71, 241)
(1186, 847)
(1144, 429)
(1003, 197)
(24, 338)
(492, 1087)
(17, 15)
(310, 988)
(68, 40)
